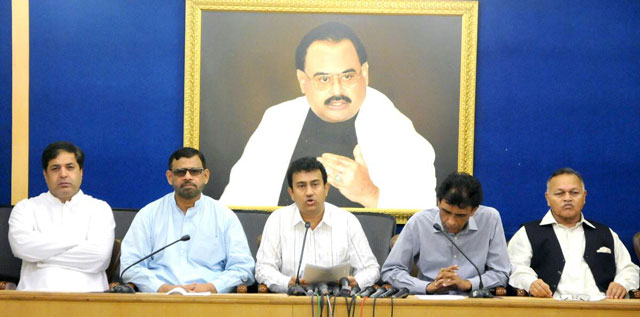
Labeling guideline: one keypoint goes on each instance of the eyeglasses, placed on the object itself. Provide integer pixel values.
(194, 171)
(575, 297)
(325, 81)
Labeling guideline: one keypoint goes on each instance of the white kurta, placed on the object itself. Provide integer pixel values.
(400, 161)
(63, 246)
(338, 238)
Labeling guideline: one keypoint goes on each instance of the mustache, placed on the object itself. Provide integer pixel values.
(337, 98)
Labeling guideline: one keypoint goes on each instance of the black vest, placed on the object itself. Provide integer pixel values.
(548, 261)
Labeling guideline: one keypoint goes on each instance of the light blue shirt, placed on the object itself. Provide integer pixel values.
(482, 240)
(217, 252)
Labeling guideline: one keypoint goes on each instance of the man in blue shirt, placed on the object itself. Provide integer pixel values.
(476, 229)
(215, 259)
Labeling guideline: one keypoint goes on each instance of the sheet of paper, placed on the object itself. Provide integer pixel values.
(440, 297)
(318, 274)
(182, 291)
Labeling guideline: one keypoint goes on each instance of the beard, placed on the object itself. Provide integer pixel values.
(189, 192)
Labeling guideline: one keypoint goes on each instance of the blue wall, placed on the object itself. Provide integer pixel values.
(5, 102)
(558, 85)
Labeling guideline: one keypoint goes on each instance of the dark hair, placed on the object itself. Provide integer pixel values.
(565, 171)
(330, 31)
(53, 150)
(460, 189)
(306, 164)
(187, 152)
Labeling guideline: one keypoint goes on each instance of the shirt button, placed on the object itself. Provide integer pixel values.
(455, 256)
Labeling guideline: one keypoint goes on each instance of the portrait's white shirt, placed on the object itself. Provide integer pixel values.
(576, 278)
(400, 161)
(338, 238)
(63, 246)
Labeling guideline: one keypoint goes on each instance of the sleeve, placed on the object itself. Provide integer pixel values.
(367, 269)
(29, 244)
(269, 257)
(497, 267)
(397, 266)
(94, 253)
(520, 253)
(135, 246)
(239, 264)
(392, 149)
(627, 273)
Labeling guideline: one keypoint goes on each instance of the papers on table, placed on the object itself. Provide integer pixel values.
(319, 274)
(182, 291)
(440, 297)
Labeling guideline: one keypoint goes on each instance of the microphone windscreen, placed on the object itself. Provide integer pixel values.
(437, 227)
(186, 237)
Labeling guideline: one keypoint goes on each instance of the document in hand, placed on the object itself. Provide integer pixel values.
(321, 274)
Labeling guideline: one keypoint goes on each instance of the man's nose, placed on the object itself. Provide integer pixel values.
(336, 86)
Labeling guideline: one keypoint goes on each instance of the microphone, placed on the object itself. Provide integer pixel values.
(388, 293)
(323, 288)
(345, 289)
(481, 292)
(366, 291)
(124, 288)
(378, 292)
(355, 290)
(296, 289)
(404, 292)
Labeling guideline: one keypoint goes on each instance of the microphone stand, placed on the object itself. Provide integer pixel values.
(121, 287)
(481, 292)
(297, 289)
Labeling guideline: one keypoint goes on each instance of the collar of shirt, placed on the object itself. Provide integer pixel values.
(192, 210)
(548, 219)
(469, 226)
(297, 217)
(53, 199)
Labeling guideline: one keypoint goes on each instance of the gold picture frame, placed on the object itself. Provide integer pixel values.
(466, 11)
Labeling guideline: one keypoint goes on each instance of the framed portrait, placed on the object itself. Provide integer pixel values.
(240, 61)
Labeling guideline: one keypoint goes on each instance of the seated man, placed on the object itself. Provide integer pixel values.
(215, 259)
(566, 255)
(63, 236)
(335, 235)
(476, 229)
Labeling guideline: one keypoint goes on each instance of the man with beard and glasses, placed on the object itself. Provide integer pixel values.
(566, 256)
(366, 144)
(215, 259)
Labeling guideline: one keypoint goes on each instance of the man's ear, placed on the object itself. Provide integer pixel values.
(302, 79)
(290, 192)
(365, 72)
(473, 211)
(169, 180)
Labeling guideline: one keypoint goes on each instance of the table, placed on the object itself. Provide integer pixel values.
(16, 303)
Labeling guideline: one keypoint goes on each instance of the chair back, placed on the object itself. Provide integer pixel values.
(253, 224)
(123, 219)
(113, 271)
(379, 228)
(9, 264)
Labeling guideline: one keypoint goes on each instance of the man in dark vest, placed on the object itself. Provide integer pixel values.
(567, 256)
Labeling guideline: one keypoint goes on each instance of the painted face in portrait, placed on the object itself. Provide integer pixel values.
(63, 176)
(566, 197)
(188, 177)
(334, 81)
(309, 191)
(453, 217)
